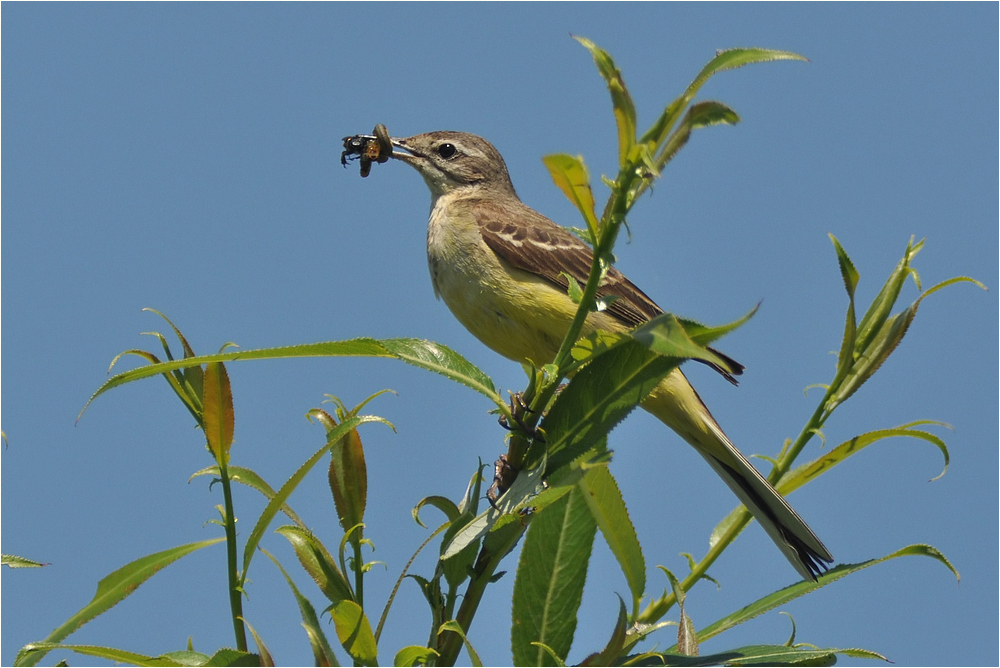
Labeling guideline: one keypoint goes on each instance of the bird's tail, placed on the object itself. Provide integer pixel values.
(677, 405)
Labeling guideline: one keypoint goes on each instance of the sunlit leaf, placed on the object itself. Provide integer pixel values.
(250, 478)
(454, 627)
(354, 632)
(318, 563)
(807, 472)
(112, 589)
(607, 507)
(265, 654)
(348, 477)
(414, 655)
(424, 354)
(570, 175)
(15, 561)
(218, 415)
(621, 101)
(783, 596)
(757, 655)
(322, 652)
(548, 587)
(609, 655)
(274, 505)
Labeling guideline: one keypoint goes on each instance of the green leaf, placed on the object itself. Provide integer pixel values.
(348, 477)
(224, 657)
(322, 652)
(624, 108)
(801, 475)
(723, 60)
(730, 59)
(274, 505)
(600, 396)
(570, 175)
(756, 655)
(881, 306)
(112, 589)
(414, 655)
(109, 653)
(783, 596)
(548, 587)
(687, 638)
(878, 347)
(444, 504)
(455, 627)
(712, 112)
(265, 654)
(218, 412)
(318, 563)
(607, 507)
(251, 479)
(612, 651)
(354, 632)
(665, 335)
(420, 353)
(847, 270)
(15, 561)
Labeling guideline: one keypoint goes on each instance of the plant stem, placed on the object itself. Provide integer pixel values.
(235, 595)
(490, 556)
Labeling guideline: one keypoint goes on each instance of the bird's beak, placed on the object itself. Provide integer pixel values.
(408, 155)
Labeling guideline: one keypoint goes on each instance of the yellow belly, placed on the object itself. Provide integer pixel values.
(515, 313)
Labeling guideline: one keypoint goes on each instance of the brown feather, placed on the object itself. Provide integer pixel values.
(539, 246)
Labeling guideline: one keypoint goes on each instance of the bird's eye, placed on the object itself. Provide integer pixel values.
(446, 150)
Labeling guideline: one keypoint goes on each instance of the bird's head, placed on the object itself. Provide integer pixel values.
(449, 161)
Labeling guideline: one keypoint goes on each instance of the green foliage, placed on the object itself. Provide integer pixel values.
(563, 491)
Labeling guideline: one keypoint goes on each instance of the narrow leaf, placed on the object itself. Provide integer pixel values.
(348, 477)
(424, 354)
(445, 505)
(600, 396)
(570, 175)
(116, 655)
(712, 112)
(612, 651)
(621, 101)
(318, 563)
(15, 561)
(882, 305)
(250, 478)
(455, 627)
(549, 584)
(354, 632)
(218, 412)
(607, 507)
(847, 270)
(803, 474)
(112, 589)
(783, 596)
(286, 490)
(265, 654)
(414, 655)
(322, 652)
(733, 58)
(759, 655)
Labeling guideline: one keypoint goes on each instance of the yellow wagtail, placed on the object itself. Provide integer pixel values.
(500, 267)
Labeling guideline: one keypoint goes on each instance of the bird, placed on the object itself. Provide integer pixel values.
(501, 268)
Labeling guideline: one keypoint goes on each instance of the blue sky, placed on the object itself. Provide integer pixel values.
(186, 157)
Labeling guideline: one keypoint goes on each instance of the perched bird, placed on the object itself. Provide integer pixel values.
(501, 268)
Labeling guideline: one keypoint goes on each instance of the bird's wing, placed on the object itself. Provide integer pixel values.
(531, 242)
(539, 246)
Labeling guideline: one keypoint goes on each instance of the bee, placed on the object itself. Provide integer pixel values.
(371, 148)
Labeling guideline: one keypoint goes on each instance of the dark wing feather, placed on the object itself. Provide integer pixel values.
(529, 241)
